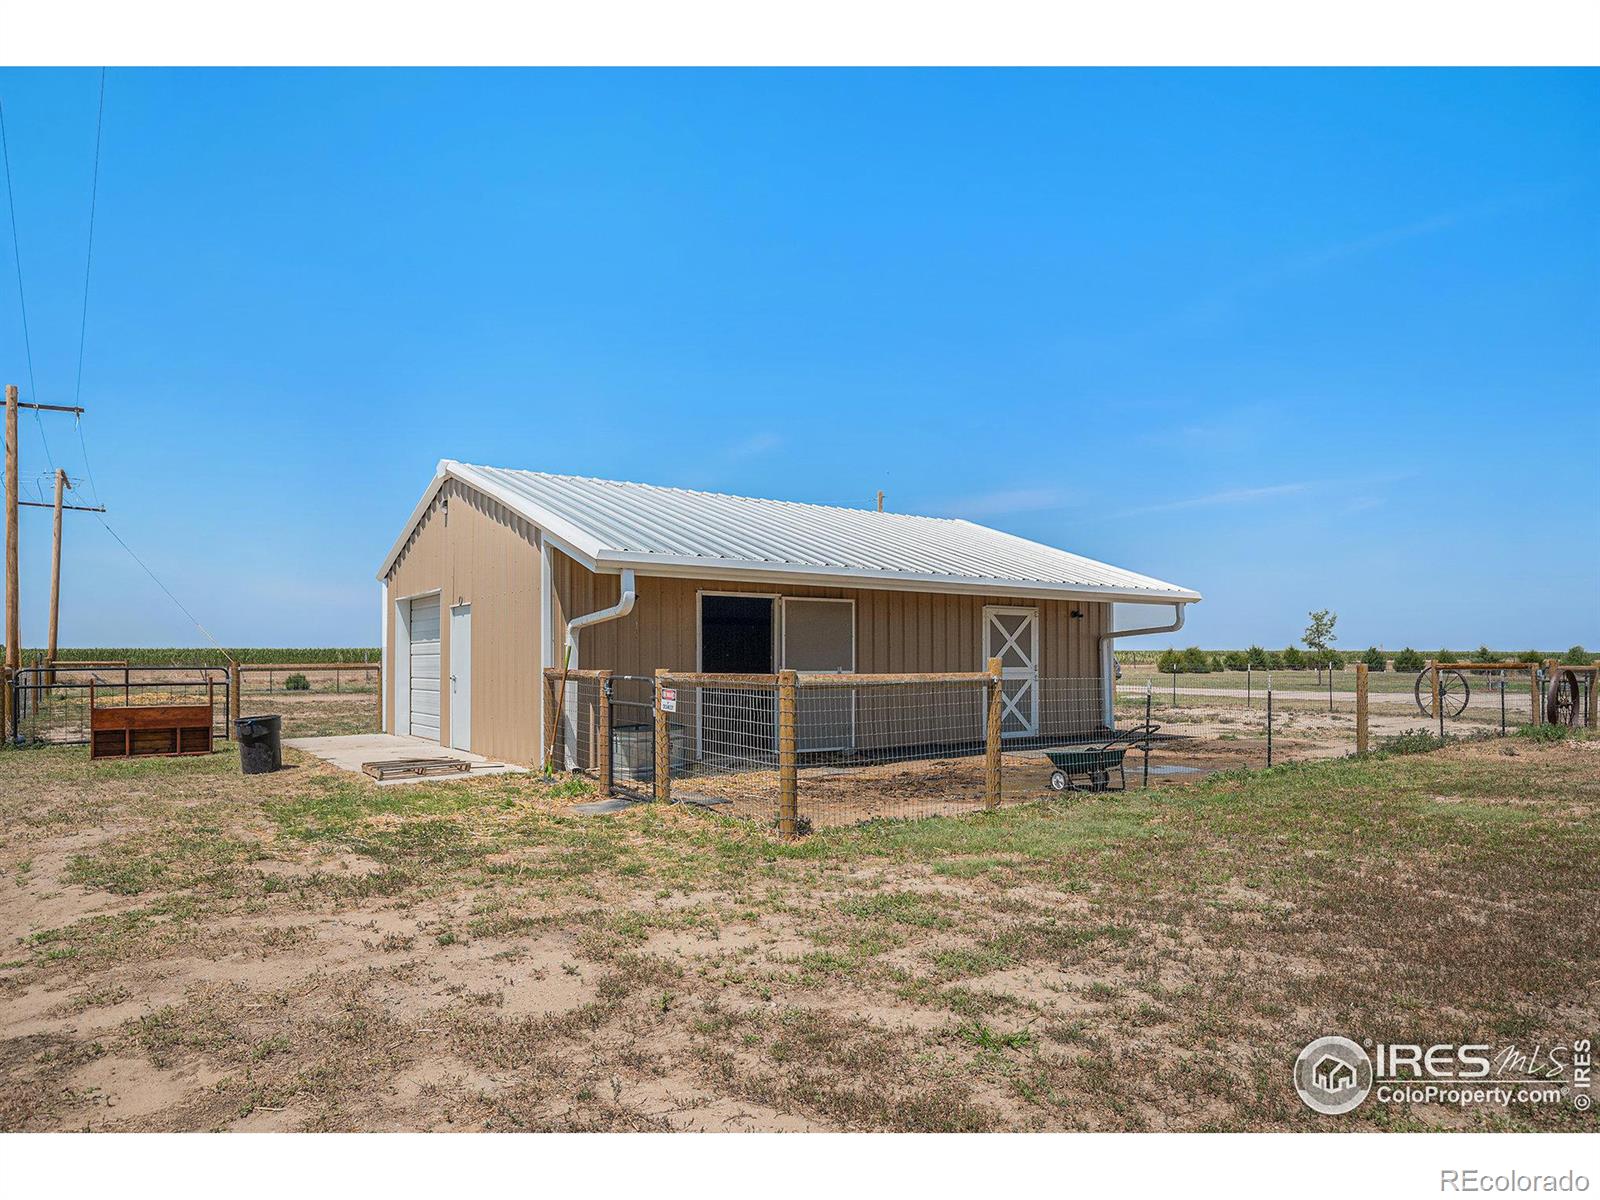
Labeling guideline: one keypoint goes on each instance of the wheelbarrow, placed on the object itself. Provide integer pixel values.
(1090, 767)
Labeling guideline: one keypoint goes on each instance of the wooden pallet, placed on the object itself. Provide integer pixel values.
(399, 768)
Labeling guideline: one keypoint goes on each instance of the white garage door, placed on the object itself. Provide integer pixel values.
(425, 668)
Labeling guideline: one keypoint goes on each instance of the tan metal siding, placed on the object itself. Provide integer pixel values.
(895, 632)
(475, 551)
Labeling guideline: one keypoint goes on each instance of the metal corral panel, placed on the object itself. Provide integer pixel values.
(606, 525)
(425, 667)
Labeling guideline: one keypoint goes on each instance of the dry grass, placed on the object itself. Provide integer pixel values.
(188, 948)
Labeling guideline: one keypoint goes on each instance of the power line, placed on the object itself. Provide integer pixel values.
(165, 589)
(22, 299)
(88, 263)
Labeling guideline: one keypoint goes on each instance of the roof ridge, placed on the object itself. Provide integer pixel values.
(663, 487)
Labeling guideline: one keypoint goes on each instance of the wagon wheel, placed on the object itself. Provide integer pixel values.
(1454, 692)
(1562, 703)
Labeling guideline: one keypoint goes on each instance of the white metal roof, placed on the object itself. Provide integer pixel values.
(607, 525)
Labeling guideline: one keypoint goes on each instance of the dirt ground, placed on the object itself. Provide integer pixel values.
(1206, 738)
(188, 948)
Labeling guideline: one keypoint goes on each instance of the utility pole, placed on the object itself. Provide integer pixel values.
(880, 499)
(13, 581)
(55, 582)
(13, 620)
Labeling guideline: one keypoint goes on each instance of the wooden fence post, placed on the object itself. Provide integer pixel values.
(1533, 693)
(991, 739)
(1592, 717)
(663, 756)
(603, 750)
(788, 772)
(1361, 708)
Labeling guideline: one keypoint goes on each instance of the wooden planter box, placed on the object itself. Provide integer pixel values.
(146, 730)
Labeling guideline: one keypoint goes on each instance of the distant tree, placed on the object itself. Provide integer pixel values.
(1218, 663)
(1484, 655)
(1292, 659)
(1167, 663)
(1236, 660)
(1577, 656)
(1195, 660)
(1530, 656)
(1336, 661)
(1374, 659)
(1319, 638)
(1256, 657)
(1274, 661)
(1408, 660)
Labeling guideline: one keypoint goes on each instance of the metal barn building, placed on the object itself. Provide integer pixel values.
(500, 574)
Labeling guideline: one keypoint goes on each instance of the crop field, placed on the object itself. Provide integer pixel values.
(189, 948)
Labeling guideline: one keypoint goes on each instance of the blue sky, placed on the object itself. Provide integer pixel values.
(1236, 329)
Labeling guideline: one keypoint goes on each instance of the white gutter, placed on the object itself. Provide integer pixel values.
(621, 608)
(1108, 665)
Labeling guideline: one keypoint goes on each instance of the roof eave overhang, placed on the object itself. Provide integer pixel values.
(959, 585)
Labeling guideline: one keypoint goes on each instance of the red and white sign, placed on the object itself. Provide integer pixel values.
(669, 699)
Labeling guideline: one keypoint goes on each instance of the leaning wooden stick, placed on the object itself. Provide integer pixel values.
(561, 698)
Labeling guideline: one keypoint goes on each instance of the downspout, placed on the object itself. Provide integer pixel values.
(621, 608)
(1108, 666)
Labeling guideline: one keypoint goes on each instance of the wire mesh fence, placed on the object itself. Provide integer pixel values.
(805, 752)
(838, 749)
(336, 679)
(723, 741)
(577, 706)
(881, 750)
(314, 699)
(1477, 699)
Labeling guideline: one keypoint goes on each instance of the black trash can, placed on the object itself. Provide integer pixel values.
(260, 743)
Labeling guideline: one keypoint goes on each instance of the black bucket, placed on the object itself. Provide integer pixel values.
(260, 743)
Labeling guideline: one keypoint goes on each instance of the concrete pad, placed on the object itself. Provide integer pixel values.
(603, 807)
(348, 753)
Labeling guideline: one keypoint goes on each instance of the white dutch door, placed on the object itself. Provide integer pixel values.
(424, 703)
(1012, 636)
(461, 676)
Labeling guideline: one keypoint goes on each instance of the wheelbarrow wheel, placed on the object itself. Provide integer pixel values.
(1058, 781)
(1562, 702)
(1454, 693)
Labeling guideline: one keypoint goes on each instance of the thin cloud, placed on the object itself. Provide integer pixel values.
(755, 444)
(1215, 499)
(1222, 301)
